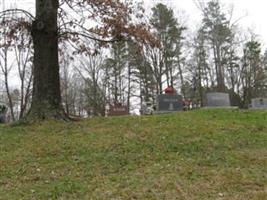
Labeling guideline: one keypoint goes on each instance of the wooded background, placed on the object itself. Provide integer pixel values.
(219, 56)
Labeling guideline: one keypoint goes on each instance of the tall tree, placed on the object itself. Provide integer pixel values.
(6, 66)
(218, 33)
(167, 59)
(23, 53)
(143, 71)
(46, 100)
(92, 74)
(200, 66)
(117, 66)
(52, 23)
(253, 76)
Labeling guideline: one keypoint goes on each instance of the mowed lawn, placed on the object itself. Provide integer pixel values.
(205, 154)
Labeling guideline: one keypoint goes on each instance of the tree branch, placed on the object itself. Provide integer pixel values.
(12, 11)
(90, 37)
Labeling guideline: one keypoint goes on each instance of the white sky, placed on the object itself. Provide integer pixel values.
(252, 12)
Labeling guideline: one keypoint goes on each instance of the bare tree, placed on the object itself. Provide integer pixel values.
(6, 68)
(92, 70)
(53, 22)
(23, 55)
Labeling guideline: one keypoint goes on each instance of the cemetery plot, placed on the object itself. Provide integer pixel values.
(259, 103)
(118, 110)
(169, 103)
(205, 157)
(217, 99)
(3, 111)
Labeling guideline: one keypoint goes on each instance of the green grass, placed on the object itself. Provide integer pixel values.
(205, 154)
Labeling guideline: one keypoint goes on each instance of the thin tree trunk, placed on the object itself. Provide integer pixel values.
(219, 69)
(129, 88)
(181, 78)
(6, 72)
(10, 101)
(200, 85)
(27, 96)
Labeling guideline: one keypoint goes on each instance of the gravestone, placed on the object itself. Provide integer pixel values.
(169, 103)
(3, 110)
(2, 118)
(218, 99)
(118, 110)
(259, 103)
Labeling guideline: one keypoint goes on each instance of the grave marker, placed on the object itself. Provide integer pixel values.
(259, 103)
(169, 103)
(218, 99)
(3, 111)
(118, 110)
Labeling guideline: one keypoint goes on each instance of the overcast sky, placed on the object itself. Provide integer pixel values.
(252, 12)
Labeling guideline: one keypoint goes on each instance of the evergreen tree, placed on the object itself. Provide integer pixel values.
(116, 65)
(219, 35)
(253, 76)
(167, 59)
(200, 66)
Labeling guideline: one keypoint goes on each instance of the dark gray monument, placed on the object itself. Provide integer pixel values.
(259, 103)
(3, 111)
(218, 99)
(2, 118)
(169, 103)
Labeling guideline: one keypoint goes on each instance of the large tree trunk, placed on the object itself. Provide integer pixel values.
(46, 101)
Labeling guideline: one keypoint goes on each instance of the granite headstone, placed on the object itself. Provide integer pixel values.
(169, 103)
(118, 110)
(218, 99)
(3, 110)
(259, 103)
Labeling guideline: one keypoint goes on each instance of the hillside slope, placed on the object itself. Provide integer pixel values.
(206, 154)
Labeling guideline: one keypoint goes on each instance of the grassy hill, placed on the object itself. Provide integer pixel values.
(206, 154)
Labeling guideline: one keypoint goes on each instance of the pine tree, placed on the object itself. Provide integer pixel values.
(167, 59)
(219, 35)
(253, 76)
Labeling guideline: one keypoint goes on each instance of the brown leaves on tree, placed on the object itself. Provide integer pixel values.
(11, 29)
(103, 21)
